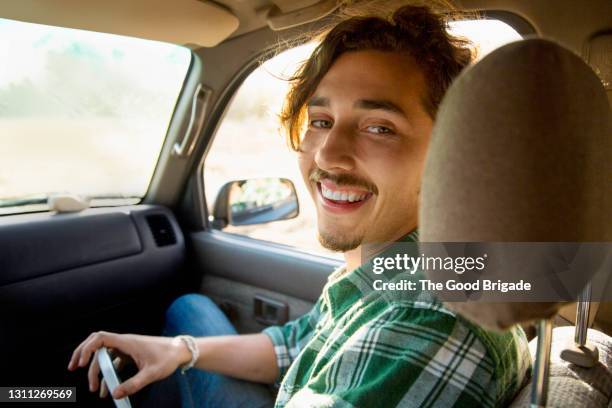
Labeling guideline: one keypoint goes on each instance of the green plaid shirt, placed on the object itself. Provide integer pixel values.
(359, 347)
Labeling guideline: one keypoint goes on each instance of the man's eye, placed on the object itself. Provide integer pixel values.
(379, 130)
(320, 123)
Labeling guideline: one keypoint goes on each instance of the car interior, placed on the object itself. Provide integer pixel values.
(70, 266)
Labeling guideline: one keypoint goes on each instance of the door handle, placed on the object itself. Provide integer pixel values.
(201, 96)
(269, 311)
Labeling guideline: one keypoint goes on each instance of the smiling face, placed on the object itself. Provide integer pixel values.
(363, 152)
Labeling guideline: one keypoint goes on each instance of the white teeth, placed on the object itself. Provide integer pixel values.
(341, 196)
(327, 193)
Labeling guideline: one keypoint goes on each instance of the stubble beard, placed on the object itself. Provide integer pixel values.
(339, 243)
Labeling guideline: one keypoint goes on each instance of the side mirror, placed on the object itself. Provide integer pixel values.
(255, 201)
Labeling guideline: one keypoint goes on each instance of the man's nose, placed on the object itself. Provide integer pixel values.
(336, 150)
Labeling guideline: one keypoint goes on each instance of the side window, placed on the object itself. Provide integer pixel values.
(78, 113)
(249, 143)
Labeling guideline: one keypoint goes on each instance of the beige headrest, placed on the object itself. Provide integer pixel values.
(521, 152)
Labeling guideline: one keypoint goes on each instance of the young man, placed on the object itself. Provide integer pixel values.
(360, 114)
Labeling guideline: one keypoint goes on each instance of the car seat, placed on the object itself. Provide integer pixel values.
(521, 152)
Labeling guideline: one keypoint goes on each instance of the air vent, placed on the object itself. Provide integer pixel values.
(162, 230)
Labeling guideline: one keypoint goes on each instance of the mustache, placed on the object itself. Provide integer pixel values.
(342, 179)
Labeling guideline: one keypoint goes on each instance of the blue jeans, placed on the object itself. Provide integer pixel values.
(198, 316)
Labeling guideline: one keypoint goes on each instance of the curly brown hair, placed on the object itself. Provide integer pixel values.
(419, 31)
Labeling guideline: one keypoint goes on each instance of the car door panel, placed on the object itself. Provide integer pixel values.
(237, 268)
(236, 299)
(259, 263)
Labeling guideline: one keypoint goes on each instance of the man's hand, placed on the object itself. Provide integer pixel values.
(155, 357)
